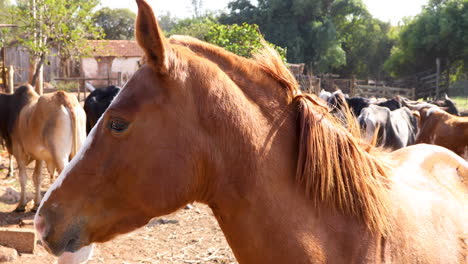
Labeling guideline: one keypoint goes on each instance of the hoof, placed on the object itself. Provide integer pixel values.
(20, 209)
(35, 208)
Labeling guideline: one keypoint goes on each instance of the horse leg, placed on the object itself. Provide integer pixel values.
(23, 177)
(51, 170)
(10, 166)
(61, 163)
(37, 178)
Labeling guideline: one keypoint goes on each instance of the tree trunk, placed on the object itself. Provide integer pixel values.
(38, 70)
(447, 82)
(64, 68)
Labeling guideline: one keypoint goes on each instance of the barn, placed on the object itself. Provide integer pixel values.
(109, 57)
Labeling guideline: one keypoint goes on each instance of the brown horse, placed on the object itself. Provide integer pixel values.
(286, 183)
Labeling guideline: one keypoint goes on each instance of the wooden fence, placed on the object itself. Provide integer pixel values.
(353, 87)
(309, 83)
(432, 86)
(384, 91)
(118, 81)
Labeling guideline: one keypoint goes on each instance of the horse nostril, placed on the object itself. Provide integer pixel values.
(71, 245)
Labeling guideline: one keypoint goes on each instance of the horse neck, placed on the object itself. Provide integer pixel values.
(276, 223)
(252, 191)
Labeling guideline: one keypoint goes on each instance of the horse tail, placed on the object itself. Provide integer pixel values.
(69, 105)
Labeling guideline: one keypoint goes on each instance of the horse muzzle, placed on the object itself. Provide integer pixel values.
(56, 236)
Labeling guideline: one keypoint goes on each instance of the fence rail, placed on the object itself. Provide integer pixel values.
(384, 91)
(81, 80)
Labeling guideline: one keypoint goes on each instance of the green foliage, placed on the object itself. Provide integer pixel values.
(243, 40)
(66, 86)
(5, 18)
(366, 42)
(440, 31)
(116, 23)
(64, 24)
(167, 22)
(328, 35)
(195, 27)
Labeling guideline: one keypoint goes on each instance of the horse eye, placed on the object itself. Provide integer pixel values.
(118, 126)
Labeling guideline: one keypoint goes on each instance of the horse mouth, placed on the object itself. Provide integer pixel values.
(71, 245)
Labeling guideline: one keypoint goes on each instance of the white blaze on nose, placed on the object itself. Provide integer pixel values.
(80, 256)
(78, 156)
(72, 164)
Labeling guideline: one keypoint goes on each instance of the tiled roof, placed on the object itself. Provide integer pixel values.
(115, 48)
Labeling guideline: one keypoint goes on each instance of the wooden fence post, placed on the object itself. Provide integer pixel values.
(437, 79)
(413, 93)
(4, 68)
(79, 92)
(40, 81)
(81, 83)
(11, 79)
(119, 79)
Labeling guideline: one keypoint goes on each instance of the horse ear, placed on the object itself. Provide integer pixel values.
(150, 37)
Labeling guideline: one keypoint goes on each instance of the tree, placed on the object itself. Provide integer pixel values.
(438, 32)
(195, 27)
(5, 18)
(243, 40)
(311, 30)
(116, 23)
(167, 22)
(63, 24)
(197, 7)
(366, 42)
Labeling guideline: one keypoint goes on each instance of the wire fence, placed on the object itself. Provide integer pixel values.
(458, 92)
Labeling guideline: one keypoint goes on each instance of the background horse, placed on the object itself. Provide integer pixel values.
(285, 181)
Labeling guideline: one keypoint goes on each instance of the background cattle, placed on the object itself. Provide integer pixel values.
(96, 104)
(395, 129)
(49, 128)
(447, 105)
(441, 128)
(337, 100)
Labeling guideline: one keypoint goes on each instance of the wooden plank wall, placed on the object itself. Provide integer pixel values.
(19, 58)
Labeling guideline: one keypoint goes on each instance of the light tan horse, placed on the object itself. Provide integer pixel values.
(49, 128)
(286, 183)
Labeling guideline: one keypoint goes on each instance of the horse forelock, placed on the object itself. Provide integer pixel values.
(333, 165)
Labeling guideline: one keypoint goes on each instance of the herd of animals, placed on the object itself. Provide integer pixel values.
(47, 129)
(286, 181)
(51, 128)
(400, 122)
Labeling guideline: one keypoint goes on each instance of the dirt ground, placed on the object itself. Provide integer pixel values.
(187, 236)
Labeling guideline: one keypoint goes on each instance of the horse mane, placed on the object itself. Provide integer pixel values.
(334, 166)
